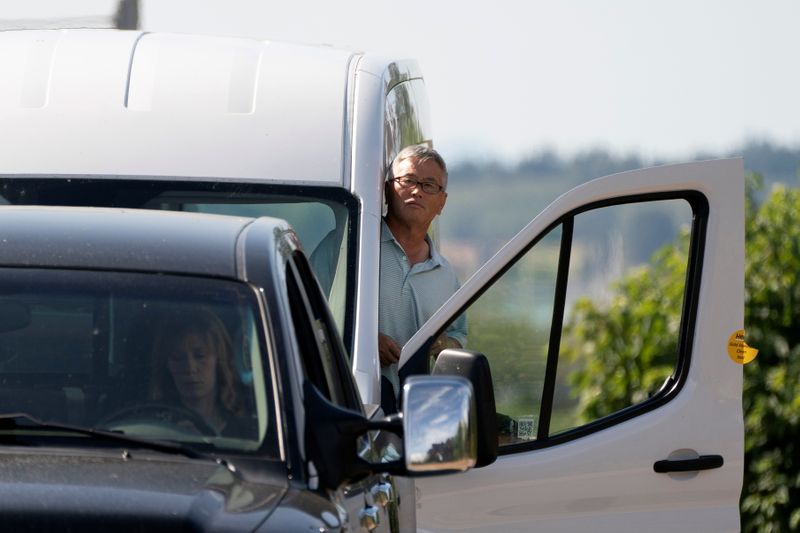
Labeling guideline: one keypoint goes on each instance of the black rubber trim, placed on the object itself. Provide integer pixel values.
(704, 462)
(556, 326)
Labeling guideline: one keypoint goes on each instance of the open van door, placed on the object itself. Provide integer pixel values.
(607, 322)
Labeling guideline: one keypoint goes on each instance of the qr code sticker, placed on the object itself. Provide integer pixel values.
(526, 428)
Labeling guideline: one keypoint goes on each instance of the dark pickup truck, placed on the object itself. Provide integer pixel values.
(181, 372)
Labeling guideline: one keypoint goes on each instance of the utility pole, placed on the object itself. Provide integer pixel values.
(127, 16)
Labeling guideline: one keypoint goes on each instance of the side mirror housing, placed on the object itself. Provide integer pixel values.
(474, 366)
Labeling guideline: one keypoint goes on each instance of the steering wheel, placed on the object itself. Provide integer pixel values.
(174, 416)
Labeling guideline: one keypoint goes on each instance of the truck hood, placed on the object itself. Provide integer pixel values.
(74, 491)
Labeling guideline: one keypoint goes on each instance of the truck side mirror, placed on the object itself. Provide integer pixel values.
(474, 366)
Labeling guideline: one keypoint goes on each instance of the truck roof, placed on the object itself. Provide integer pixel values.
(108, 102)
(125, 239)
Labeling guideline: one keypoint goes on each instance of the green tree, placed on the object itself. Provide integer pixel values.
(625, 349)
(639, 314)
(771, 492)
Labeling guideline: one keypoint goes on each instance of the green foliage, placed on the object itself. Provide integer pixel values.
(511, 324)
(610, 341)
(771, 492)
(624, 350)
(518, 380)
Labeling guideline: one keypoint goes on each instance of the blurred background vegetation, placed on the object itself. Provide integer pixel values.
(489, 201)
(771, 398)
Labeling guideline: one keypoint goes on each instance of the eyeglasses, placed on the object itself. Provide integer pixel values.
(428, 187)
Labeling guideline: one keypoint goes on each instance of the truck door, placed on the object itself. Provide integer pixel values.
(610, 326)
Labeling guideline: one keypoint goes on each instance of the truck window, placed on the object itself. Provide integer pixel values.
(321, 351)
(128, 352)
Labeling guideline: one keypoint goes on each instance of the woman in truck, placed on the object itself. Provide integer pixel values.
(193, 367)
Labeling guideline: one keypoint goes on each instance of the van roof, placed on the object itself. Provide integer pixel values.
(108, 102)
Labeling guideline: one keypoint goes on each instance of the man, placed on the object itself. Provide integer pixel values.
(415, 279)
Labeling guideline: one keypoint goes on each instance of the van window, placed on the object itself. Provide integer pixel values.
(583, 329)
(323, 217)
(407, 122)
(321, 228)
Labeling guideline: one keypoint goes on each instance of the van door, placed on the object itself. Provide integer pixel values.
(609, 323)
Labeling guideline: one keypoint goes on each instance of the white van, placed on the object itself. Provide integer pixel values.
(238, 126)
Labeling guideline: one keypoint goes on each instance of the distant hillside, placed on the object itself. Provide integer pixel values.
(489, 202)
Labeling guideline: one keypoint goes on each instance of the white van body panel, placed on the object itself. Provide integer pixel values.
(374, 143)
(365, 183)
(171, 105)
(605, 481)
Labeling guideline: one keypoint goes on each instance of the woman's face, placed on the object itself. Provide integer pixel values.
(193, 366)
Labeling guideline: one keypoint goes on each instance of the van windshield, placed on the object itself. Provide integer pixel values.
(322, 217)
(158, 357)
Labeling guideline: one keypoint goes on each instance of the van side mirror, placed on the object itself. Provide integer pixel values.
(474, 366)
(439, 425)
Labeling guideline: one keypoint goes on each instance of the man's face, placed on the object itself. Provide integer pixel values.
(411, 205)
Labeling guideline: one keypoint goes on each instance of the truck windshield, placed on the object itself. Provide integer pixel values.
(159, 357)
(322, 217)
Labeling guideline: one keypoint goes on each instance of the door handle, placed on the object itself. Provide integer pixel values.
(704, 462)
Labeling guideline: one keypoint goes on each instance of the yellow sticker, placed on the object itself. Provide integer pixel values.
(738, 350)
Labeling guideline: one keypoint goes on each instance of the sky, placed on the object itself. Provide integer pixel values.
(507, 79)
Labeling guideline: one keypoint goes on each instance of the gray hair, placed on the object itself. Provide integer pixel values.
(422, 153)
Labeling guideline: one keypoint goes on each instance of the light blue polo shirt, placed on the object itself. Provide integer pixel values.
(410, 295)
